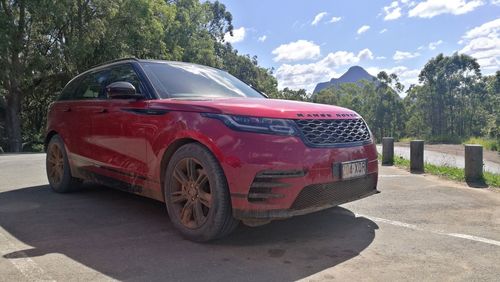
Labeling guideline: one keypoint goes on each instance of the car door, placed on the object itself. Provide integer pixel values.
(66, 119)
(78, 107)
(118, 130)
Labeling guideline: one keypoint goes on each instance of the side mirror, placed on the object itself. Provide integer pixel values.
(122, 90)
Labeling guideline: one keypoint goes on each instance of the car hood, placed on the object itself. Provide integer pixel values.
(271, 108)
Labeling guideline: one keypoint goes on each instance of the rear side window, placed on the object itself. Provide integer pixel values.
(88, 86)
(92, 85)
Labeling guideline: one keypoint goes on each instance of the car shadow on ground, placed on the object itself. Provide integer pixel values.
(128, 237)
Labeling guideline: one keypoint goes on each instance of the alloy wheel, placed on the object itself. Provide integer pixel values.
(191, 196)
(55, 164)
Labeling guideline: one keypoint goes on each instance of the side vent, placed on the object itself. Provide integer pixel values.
(264, 182)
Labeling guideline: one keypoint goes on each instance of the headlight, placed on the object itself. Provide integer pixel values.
(256, 124)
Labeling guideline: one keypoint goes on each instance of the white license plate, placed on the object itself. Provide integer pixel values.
(353, 169)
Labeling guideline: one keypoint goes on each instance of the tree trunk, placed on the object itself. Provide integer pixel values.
(12, 82)
(13, 121)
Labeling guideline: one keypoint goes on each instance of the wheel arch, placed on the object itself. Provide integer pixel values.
(173, 147)
(47, 139)
(167, 155)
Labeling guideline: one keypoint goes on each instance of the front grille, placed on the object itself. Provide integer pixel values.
(333, 132)
(334, 193)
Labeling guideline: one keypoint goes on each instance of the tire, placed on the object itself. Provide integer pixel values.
(58, 169)
(197, 195)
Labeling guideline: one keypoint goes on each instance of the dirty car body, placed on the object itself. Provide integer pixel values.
(279, 158)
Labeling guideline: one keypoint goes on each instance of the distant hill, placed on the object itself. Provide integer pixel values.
(354, 75)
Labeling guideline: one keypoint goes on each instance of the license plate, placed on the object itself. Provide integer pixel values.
(353, 169)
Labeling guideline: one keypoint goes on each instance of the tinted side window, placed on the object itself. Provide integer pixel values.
(92, 86)
(125, 73)
(69, 90)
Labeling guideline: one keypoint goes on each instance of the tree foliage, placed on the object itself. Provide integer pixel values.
(452, 102)
(379, 103)
(43, 43)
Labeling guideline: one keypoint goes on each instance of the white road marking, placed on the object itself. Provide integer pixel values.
(475, 238)
(392, 222)
(414, 227)
(29, 268)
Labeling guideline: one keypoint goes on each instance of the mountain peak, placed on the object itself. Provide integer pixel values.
(353, 75)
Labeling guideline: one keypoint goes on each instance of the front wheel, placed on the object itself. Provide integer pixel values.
(197, 196)
(57, 166)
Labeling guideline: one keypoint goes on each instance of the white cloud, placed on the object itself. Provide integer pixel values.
(304, 76)
(401, 55)
(406, 76)
(262, 38)
(238, 35)
(483, 43)
(495, 2)
(380, 58)
(486, 29)
(393, 11)
(434, 45)
(432, 8)
(337, 19)
(318, 18)
(296, 51)
(365, 54)
(363, 29)
(308, 75)
(383, 31)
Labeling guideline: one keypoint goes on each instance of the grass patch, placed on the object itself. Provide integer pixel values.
(453, 173)
(407, 139)
(489, 144)
(443, 139)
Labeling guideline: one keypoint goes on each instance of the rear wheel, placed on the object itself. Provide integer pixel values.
(197, 196)
(57, 166)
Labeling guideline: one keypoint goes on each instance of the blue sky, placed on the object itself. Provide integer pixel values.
(310, 41)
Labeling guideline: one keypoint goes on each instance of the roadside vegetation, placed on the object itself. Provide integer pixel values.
(44, 43)
(489, 144)
(452, 103)
(453, 173)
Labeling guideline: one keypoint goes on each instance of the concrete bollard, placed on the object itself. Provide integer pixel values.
(387, 151)
(417, 156)
(473, 163)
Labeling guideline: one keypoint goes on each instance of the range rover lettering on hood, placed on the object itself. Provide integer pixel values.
(327, 115)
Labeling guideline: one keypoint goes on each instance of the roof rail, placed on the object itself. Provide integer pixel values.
(114, 61)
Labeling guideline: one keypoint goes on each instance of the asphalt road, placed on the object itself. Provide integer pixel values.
(444, 159)
(419, 228)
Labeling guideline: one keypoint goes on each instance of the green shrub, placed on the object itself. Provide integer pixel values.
(454, 173)
(443, 139)
(407, 139)
(489, 144)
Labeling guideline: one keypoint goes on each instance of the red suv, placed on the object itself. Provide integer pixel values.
(211, 147)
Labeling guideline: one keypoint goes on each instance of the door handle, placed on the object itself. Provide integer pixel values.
(66, 109)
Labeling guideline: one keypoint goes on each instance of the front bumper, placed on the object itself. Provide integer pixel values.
(266, 174)
(318, 197)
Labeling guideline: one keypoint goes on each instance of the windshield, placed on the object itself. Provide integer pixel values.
(189, 81)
